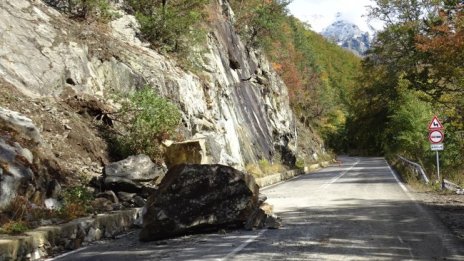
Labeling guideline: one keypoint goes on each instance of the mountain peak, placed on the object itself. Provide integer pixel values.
(348, 35)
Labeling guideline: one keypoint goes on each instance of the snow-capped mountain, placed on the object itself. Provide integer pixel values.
(349, 36)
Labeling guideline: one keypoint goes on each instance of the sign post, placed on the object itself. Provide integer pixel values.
(438, 166)
(436, 137)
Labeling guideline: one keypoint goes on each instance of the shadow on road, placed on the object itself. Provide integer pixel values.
(346, 226)
(370, 230)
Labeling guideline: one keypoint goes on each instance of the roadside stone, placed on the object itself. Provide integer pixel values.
(138, 222)
(122, 184)
(136, 168)
(195, 198)
(139, 201)
(91, 235)
(263, 217)
(273, 222)
(102, 204)
(51, 203)
(117, 206)
(21, 124)
(108, 195)
(147, 191)
(125, 196)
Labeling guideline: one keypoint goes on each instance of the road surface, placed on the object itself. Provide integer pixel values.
(356, 211)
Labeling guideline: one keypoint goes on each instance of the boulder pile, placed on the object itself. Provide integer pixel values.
(128, 182)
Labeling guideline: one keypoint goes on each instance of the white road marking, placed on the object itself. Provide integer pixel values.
(252, 239)
(339, 176)
(398, 180)
(242, 246)
(67, 254)
(417, 205)
(401, 240)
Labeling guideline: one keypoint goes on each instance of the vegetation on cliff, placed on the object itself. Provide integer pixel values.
(319, 75)
(149, 119)
(380, 106)
(171, 26)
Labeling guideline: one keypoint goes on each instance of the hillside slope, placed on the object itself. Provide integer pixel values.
(237, 107)
(64, 73)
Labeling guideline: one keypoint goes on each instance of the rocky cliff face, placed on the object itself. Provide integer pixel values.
(239, 105)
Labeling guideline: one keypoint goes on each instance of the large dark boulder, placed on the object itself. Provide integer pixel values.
(196, 198)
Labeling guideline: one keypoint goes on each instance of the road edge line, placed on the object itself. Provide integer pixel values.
(243, 245)
(449, 239)
(403, 187)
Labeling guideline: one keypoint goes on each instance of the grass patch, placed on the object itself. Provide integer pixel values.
(264, 168)
(21, 215)
(14, 227)
(411, 178)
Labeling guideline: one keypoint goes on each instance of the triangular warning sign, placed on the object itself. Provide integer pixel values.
(435, 124)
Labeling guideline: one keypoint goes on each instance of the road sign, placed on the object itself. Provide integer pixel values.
(438, 146)
(436, 136)
(435, 124)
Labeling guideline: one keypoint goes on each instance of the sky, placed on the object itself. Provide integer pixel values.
(322, 13)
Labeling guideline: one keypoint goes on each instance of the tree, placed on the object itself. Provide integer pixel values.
(416, 61)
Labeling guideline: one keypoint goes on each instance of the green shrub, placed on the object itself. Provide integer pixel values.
(76, 203)
(300, 164)
(257, 21)
(173, 26)
(264, 168)
(91, 8)
(149, 120)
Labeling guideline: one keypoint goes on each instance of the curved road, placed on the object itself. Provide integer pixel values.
(356, 211)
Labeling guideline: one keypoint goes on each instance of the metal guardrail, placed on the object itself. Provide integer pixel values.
(417, 168)
(452, 186)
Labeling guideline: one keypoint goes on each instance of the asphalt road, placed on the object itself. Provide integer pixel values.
(356, 211)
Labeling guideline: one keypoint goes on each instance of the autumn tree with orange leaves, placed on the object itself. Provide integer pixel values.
(414, 70)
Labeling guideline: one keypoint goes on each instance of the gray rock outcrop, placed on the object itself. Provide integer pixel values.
(15, 172)
(239, 102)
(196, 198)
(19, 124)
(16, 161)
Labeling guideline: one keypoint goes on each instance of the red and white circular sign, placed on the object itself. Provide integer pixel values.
(436, 136)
